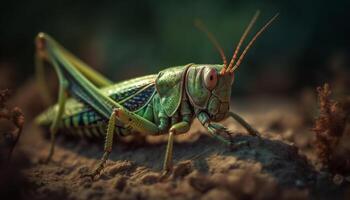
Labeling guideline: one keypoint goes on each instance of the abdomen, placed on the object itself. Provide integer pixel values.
(81, 120)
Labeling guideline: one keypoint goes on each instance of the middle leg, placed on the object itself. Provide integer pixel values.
(178, 128)
(130, 120)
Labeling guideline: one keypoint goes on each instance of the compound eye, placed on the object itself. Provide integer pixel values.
(210, 77)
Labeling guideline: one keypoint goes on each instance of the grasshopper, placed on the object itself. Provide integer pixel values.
(90, 105)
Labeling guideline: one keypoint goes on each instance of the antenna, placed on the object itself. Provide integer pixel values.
(252, 41)
(245, 33)
(199, 24)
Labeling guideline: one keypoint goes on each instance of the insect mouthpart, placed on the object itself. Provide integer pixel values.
(217, 109)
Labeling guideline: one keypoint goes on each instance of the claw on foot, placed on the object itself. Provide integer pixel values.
(98, 170)
(165, 174)
(215, 130)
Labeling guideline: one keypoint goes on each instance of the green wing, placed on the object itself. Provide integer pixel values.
(133, 94)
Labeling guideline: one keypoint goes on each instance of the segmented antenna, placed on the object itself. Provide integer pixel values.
(245, 33)
(199, 24)
(252, 41)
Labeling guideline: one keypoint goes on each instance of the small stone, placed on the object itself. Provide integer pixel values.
(338, 179)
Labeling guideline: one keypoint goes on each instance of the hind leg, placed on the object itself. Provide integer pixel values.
(71, 72)
(62, 95)
(108, 145)
(130, 120)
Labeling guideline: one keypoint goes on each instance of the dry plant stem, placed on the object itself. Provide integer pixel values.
(329, 126)
(14, 115)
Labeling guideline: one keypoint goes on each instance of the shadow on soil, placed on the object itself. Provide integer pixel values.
(278, 159)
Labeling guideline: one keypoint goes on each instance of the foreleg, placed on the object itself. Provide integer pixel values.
(214, 129)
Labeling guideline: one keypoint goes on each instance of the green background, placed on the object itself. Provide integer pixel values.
(306, 46)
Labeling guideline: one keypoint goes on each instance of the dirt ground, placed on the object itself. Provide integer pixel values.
(279, 165)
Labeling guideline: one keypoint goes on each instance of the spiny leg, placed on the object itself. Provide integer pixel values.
(136, 122)
(83, 81)
(44, 41)
(71, 71)
(129, 119)
(108, 145)
(248, 127)
(215, 129)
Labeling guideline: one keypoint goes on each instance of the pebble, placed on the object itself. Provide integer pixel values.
(338, 179)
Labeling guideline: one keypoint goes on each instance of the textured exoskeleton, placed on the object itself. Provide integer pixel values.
(90, 105)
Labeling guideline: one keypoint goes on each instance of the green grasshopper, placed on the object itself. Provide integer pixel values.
(92, 106)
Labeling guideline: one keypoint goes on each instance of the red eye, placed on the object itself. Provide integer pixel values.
(210, 77)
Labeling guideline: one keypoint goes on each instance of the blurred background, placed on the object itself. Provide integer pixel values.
(307, 45)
